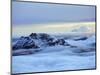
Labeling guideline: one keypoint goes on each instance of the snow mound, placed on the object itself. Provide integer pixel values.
(42, 52)
(36, 42)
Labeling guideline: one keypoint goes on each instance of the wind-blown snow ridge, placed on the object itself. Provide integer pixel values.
(40, 52)
(36, 42)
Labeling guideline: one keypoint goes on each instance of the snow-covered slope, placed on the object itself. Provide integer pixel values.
(50, 53)
(38, 42)
(35, 42)
(51, 62)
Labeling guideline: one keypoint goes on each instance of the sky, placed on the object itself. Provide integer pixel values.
(28, 17)
(35, 13)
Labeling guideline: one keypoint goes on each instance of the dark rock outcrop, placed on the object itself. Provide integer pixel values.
(35, 40)
(33, 35)
(24, 43)
(81, 38)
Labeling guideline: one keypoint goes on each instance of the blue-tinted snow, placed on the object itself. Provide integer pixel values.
(56, 58)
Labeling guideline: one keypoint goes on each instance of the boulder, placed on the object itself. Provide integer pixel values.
(24, 43)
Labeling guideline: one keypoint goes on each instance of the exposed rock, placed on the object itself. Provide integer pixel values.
(24, 43)
(35, 40)
(33, 35)
(81, 38)
(44, 36)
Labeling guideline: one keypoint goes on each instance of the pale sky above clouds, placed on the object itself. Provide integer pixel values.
(28, 17)
(89, 27)
(36, 13)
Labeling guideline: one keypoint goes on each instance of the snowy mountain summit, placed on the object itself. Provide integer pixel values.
(37, 42)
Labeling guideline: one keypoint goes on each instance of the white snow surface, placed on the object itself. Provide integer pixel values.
(57, 58)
